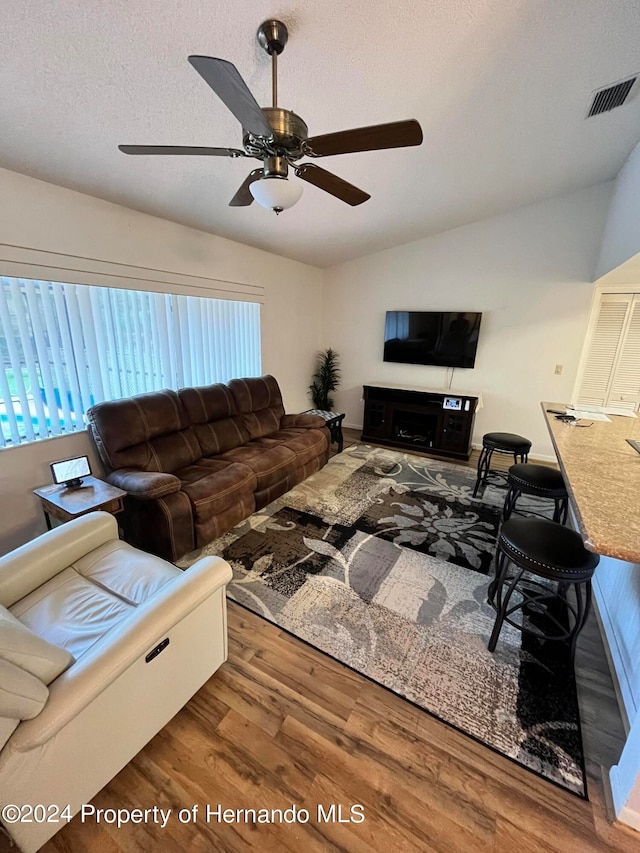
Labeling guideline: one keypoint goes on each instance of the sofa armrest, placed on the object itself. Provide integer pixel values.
(302, 420)
(144, 485)
(31, 565)
(134, 637)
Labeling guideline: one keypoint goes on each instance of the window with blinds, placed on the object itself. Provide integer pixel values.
(612, 371)
(65, 347)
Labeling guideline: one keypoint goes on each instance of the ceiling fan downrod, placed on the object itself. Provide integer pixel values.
(272, 36)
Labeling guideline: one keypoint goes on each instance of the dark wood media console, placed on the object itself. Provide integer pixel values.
(438, 422)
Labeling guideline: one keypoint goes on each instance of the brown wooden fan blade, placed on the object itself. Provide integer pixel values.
(225, 80)
(331, 183)
(397, 134)
(243, 197)
(182, 149)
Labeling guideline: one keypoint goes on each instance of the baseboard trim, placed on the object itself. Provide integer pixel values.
(533, 457)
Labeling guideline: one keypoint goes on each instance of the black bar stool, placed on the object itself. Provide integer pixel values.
(500, 442)
(538, 480)
(548, 551)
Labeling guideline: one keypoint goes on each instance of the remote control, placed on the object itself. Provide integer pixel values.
(634, 444)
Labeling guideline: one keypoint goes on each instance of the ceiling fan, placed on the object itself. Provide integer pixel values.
(279, 137)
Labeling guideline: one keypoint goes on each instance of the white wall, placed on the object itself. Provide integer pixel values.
(528, 271)
(621, 239)
(41, 216)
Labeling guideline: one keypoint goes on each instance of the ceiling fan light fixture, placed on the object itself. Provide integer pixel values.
(276, 193)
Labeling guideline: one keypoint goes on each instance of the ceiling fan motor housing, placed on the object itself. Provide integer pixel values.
(289, 132)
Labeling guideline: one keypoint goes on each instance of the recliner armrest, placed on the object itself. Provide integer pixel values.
(31, 565)
(22, 695)
(133, 638)
(144, 485)
(302, 420)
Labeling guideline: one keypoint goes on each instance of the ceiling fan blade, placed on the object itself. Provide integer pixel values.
(331, 183)
(396, 134)
(181, 149)
(243, 197)
(225, 80)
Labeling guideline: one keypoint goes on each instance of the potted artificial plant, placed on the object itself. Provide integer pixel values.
(325, 379)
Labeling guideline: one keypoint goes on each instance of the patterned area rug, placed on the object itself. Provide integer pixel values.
(382, 560)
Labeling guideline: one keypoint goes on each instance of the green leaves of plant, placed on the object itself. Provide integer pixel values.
(325, 379)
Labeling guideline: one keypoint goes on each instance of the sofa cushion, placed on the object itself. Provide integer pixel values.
(270, 465)
(151, 432)
(208, 529)
(71, 611)
(302, 420)
(22, 647)
(312, 444)
(212, 485)
(297, 475)
(217, 425)
(128, 573)
(259, 400)
(281, 435)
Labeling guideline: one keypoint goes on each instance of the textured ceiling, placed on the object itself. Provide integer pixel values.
(501, 88)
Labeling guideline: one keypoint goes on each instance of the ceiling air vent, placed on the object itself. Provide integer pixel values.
(611, 97)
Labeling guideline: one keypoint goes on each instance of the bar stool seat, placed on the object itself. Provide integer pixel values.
(506, 442)
(500, 442)
(550, 551)
(540, 481)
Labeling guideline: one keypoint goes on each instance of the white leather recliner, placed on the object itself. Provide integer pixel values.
(100, 645)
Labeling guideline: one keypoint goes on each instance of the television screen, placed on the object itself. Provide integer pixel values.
(444, 338)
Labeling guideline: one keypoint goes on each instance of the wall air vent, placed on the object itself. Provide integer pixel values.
(611, 97)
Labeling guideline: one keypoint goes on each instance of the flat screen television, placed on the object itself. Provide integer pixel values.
(444, 338)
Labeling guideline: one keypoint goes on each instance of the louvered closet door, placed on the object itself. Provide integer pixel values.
(612, 372)
(625, 387)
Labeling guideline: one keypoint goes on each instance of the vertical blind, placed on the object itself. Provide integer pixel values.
(612, 372)
(65, 347)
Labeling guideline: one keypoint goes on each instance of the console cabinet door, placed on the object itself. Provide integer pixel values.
(375, 418)
(454, 432)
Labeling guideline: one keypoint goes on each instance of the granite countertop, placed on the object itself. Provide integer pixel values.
(602, 473)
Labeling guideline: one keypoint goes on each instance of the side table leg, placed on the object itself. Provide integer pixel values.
(47, 519)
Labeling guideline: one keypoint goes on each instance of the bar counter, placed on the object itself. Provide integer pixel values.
(602, 475)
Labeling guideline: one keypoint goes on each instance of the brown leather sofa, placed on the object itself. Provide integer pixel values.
(198, 461)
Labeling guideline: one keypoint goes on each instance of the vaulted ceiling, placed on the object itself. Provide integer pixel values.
(500, 87)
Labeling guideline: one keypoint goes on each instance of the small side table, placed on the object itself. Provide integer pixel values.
(64, 504)
(334, 424)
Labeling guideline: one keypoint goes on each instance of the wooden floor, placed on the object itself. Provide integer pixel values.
(280, 724)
